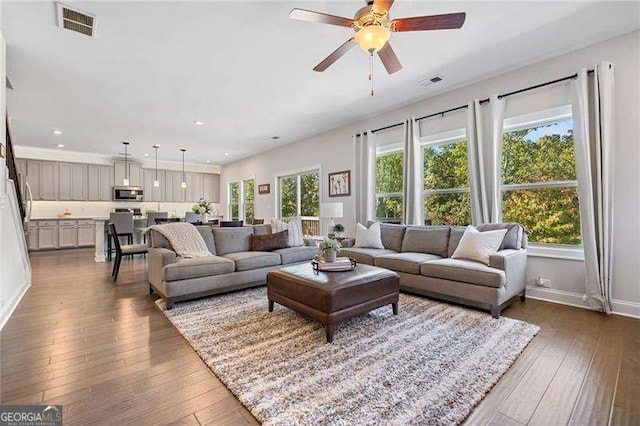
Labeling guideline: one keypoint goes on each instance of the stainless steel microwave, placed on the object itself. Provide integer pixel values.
(128, 193)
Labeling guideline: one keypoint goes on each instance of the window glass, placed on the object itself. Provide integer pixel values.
(234, 200)
(248, 193)
(389, 187)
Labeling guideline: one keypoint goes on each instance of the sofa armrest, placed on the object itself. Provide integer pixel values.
(158, 259)
(514, 265)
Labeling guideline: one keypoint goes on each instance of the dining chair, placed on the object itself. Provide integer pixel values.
(124, 225)
(123, 250)
(161, 220)
(258, 221)
(191, 217)
(151, 217)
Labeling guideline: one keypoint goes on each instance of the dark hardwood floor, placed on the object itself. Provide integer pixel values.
(108, 355)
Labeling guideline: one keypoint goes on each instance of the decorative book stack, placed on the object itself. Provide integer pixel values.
(341, 264)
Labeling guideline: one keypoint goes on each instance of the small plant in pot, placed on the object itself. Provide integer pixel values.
(338, 230)
(330, 249)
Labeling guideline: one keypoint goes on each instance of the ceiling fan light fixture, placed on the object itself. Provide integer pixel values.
(372, 37)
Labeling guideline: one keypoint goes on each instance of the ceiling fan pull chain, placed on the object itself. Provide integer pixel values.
(371, 70)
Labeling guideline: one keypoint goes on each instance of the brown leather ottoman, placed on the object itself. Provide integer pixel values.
(332, 297)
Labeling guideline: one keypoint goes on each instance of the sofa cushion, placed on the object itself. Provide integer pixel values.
(247, 260)
(364, 255)
(369, 237)
(404, 262)
(513, 238)
(185, 269)
(268, 242)
(207, 236)
(392, 236)
(455, 235)
(428, 239)
(478, 246)
(297, 254)
(465, 271)
(262, 229)
(232, 240)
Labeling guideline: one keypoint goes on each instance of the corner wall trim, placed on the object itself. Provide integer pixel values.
(7, 311)
(620, 307)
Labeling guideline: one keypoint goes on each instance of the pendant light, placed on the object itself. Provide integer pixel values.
(156, 182)
(183, 185)
(125, 181)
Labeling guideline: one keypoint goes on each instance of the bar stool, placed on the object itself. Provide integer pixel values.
(151, 217)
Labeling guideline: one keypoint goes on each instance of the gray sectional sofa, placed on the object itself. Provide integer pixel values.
(421, 255)
(233, 265)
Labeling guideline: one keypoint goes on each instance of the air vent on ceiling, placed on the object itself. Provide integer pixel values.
(430, 80)
(75, 20)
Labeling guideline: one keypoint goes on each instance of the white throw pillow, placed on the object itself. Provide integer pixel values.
(296, 238)
(478, 246)
(369, 238)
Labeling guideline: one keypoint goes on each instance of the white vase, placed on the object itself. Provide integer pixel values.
(329, 256)
(203, 218)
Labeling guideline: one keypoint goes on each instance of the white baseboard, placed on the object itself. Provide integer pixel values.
(8, 309)
(620, 307)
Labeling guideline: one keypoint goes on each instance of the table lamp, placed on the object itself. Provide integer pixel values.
(332, 211)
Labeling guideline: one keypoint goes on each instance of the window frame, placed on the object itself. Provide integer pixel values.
(297, 173)
(241, 198)
(381, 151)
(229, 198)
(445, 138)
(524, 121)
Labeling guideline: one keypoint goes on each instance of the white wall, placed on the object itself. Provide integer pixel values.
(333, 151)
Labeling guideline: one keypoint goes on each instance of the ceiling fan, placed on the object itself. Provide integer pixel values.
(373, 28)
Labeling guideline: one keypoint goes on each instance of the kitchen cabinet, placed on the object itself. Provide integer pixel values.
(211, 187)
(73, 181)
(194, 187)
(49, 181)
(34, 173)
(47, 234)
(135, 173)
(99, 182)
(86, 233)
(67, 234)
(152, 193)
(21, 170)
(32, 236)
(174, 192)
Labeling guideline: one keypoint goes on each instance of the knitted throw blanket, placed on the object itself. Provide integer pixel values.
(184, 238)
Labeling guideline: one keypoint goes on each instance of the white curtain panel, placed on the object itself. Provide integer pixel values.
(484, 160)
(365, 176)
(479, 201)
(594, 139)
(412, 184)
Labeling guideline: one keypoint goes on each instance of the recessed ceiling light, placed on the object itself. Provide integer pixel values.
(272, 138)
(208, 161)
(57, 132)
(226, 153)
(198, 123)
(145, 154)
(60, 145)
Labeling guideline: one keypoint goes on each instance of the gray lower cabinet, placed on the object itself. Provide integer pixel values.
(32, 236)
(86, 233)
(67, 234)
(100, 182)
(47, 235)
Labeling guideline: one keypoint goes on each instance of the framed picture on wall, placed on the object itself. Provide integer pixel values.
(264, 188)
(340, 184)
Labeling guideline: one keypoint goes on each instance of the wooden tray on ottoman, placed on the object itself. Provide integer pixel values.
(332, 297)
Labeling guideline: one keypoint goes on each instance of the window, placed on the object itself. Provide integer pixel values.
(300, 196)
(389, 186)
(447, 200)
(234, 200)
(248, 192)
(539, 186)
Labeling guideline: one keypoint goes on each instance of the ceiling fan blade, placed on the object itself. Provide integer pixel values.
(389, 59)
(322, 18)
(448, 21)
(335, 55)
(382, 6)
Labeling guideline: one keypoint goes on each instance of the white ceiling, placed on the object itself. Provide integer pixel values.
(245, 69)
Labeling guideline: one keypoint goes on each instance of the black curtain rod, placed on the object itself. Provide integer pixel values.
(483, 101)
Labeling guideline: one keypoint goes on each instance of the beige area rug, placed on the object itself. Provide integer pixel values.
(431, 364)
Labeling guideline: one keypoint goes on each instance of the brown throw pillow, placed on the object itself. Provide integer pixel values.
(268, 242)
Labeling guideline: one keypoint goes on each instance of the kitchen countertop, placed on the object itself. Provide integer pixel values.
(83, 218)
